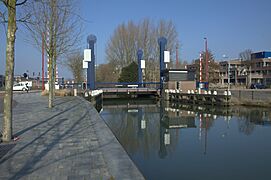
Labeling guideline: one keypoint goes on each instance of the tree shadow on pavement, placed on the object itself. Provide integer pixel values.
(46, 120)
(32, 127)
(30, 163)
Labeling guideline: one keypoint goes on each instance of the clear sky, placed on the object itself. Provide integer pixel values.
(231, 26)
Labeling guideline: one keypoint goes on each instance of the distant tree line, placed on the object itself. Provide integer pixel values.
(128, 38)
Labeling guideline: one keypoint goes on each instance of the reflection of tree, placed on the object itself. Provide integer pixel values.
(245, 126)
(249, 118)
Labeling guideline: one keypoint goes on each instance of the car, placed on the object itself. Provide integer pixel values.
(257, 86)
(20, 87)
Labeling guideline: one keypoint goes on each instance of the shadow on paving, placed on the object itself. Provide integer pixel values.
(32, 127)
(5, 148)
(46, 120)
(27, 168)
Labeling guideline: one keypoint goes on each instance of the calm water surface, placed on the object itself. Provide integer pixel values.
(168, 141)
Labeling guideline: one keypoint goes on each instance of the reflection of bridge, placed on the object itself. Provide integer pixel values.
(129, 106)
(195, 98)
(130, 92)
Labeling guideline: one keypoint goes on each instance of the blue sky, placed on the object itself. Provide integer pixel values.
(231, 26)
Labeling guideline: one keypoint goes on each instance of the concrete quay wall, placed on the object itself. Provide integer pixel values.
(252, 97)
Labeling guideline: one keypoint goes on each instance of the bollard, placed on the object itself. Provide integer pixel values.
(229, 93)
(166, 94)
(75, 92)
(86, 94)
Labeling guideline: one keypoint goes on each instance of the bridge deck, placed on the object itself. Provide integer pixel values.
(125, 90)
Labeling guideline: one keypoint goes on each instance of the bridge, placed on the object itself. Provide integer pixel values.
(130, 92)
(140, 85)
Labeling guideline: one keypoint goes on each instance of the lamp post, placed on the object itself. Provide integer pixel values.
(228, 69)
(206, 61)
(229, 77)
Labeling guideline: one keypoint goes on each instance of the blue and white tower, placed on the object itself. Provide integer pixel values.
(91, 40)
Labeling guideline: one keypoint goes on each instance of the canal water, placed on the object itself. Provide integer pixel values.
(170, 141)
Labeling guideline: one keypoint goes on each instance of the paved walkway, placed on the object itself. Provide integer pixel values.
(70, 141)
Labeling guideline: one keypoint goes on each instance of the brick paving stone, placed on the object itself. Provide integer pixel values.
(69, 141)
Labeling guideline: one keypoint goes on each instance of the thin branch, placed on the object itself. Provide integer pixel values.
(5, 2)
(21, 3)
(25, 19)
(4, 21)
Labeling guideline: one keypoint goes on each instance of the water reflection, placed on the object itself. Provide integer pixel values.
(161, 138)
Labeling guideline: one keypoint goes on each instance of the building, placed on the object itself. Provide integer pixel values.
(59, 80)
(181, 79)
(235, 70)
(240, 72)
(260, 68)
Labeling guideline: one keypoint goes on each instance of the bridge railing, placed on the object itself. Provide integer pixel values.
(154, 85)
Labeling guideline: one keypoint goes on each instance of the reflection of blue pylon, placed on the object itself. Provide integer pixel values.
(140, 118)
(91, 39)
(162, 130)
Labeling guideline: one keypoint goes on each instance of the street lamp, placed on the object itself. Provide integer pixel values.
(229, 77)
(226, 57)
(206, 61)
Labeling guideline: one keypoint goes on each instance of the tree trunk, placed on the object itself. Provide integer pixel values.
(50, 99)
(54, 62)
(7, 123)
(51, 57)
(55, 45)
(51, 79)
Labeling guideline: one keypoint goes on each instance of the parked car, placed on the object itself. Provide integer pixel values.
(20, 87)
(257, 86)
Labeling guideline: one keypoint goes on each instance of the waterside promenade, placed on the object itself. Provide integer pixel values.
(69, 141)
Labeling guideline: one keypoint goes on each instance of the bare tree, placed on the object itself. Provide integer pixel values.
(75, 64)
(61, 26)
(128, 38)
(246, 54)
(106, 77)
(11, 6)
